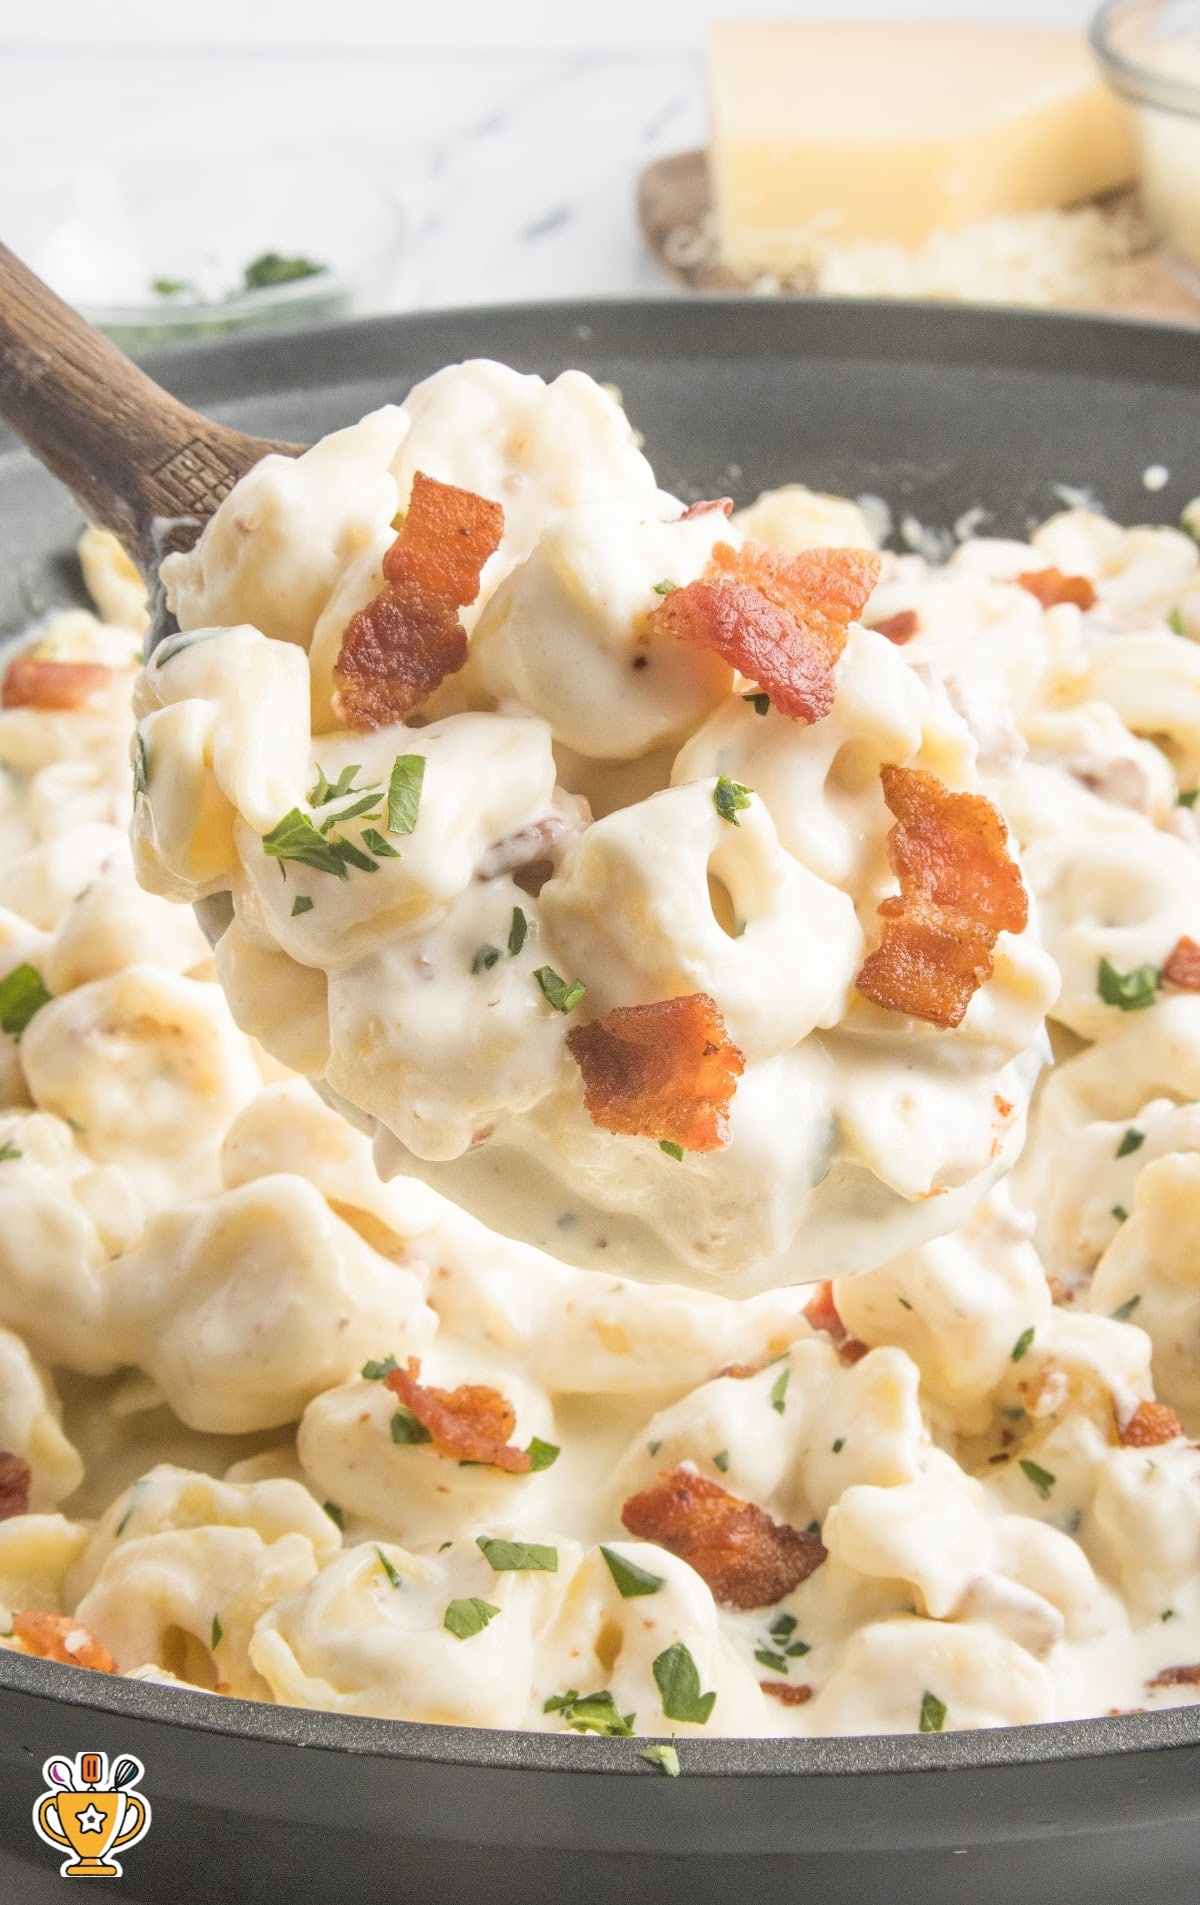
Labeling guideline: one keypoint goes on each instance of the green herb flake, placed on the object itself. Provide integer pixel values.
(542, 1454)
(295, 838)
(404, 792)
(678, 1681)
(1023, 1344)
(797, 1650)
(517, 932)
(273, 267)
(730, 799)
(485, 958)
(591, 1713)
(466, 1618)
(22, 994)
(721, 1461)
(217, 1631)
(1189, 797)
(672, 1150)
(1175, 621)
(335, 1515)
(141, 765)
(783, 1626)
(9, 1152)
(518, 1557)
(563, 997)
(629, 1579)
(301, 904)
(1125, 1310)
(172, 287)
(407, 1430)
(1128, 991)
(375, 1372)
(388, 1569)
(933, 1714)
(355, 811)
(1120, 1213)
(779, 1391)
(1131, 1142)
(663, 1756)
(652, 1448)
(904, 1303)
(123, 1524)
(775, 1662)
(1168, 1614)
(665, 587)
(839, 1445)
(1039, 1478)
(373, 839)
(760, 703)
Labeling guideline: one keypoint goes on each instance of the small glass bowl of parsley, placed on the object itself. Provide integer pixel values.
(248, 241)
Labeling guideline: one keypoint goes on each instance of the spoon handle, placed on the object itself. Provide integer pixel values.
(135, 459)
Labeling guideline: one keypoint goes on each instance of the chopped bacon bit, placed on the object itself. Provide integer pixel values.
(779, 619)
(1051, 586)
(747, 1559)
(1003, 1106)
(822, 1313)
(1150, 1424)
(15, 1478)
(1182, 967)
(723, 503)
(665, 1071)
(900, 627)
(1175, 1677)
(33, 683)
(473, 1423)
(959, 889)
(408, 638)
(852, 1351)
(783, 1690)
(448, 535)
(61, 1637)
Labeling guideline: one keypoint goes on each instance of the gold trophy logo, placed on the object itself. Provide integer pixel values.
(89, 1813)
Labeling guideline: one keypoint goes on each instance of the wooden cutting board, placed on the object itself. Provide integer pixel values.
(675, 207)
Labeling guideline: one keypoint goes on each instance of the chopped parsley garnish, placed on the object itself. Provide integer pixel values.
(630, 1580)
(1132, 1141)
(1040, 1478)
(652, 1448)
(1128, 991)
(1023, 1344)
(388, 1569)
(374, 839)
(335, 1514)
(9, 1152)
(1125, 1310)
(760, 703)
(1189, 797)
(404, 792)
(22, 993)
(779, 1391)
(766, 1658)
(721, 1461)
(730, 799)
(677, 1678)
(1168, 1614)
(295, 838)
(904, 1303)
(217, 1631)
(1120, 1213)
(485, 958)
(542, 1454)
(783, 1626)
(356, 809)
(517, 932)
(562, 996)
(325, 790)
(933, 1714)
(839, 1445)
(301, 904)
(664, 1757)
(172, 287)
(1175, 621)
(272, 267)
(407, 1429)
(518, 1557)
(375, 1372)
(141, 765)
(665, 586)
(590, 1712)
(672, 1150)
(465, 1618)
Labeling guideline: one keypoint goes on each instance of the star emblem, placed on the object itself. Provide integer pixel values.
(91, 1819)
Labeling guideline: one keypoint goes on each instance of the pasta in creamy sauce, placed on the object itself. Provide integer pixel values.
(276, 1427)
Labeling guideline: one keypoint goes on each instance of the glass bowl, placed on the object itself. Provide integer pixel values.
(1150, 53)
(247, 241)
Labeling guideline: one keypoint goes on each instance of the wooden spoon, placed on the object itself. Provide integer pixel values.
(136, 461)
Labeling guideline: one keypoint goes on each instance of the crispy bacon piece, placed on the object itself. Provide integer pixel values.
(1182, 966)
(783, 1690)
(665, 1071)
(1175, 1677)
(900, 627)
(15, 1477)
(959, 888)
(33, 683)
(822, 1313)
(1150, 1424)
(723, 503)
(779, 619)
(1051, 586)
(473, 1423)
(747, 1559)
(408, 638)
(61, 1637)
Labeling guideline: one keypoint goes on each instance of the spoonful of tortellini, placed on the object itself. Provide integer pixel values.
(602, 861)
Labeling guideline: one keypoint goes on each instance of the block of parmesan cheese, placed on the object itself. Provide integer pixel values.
(863, 130)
